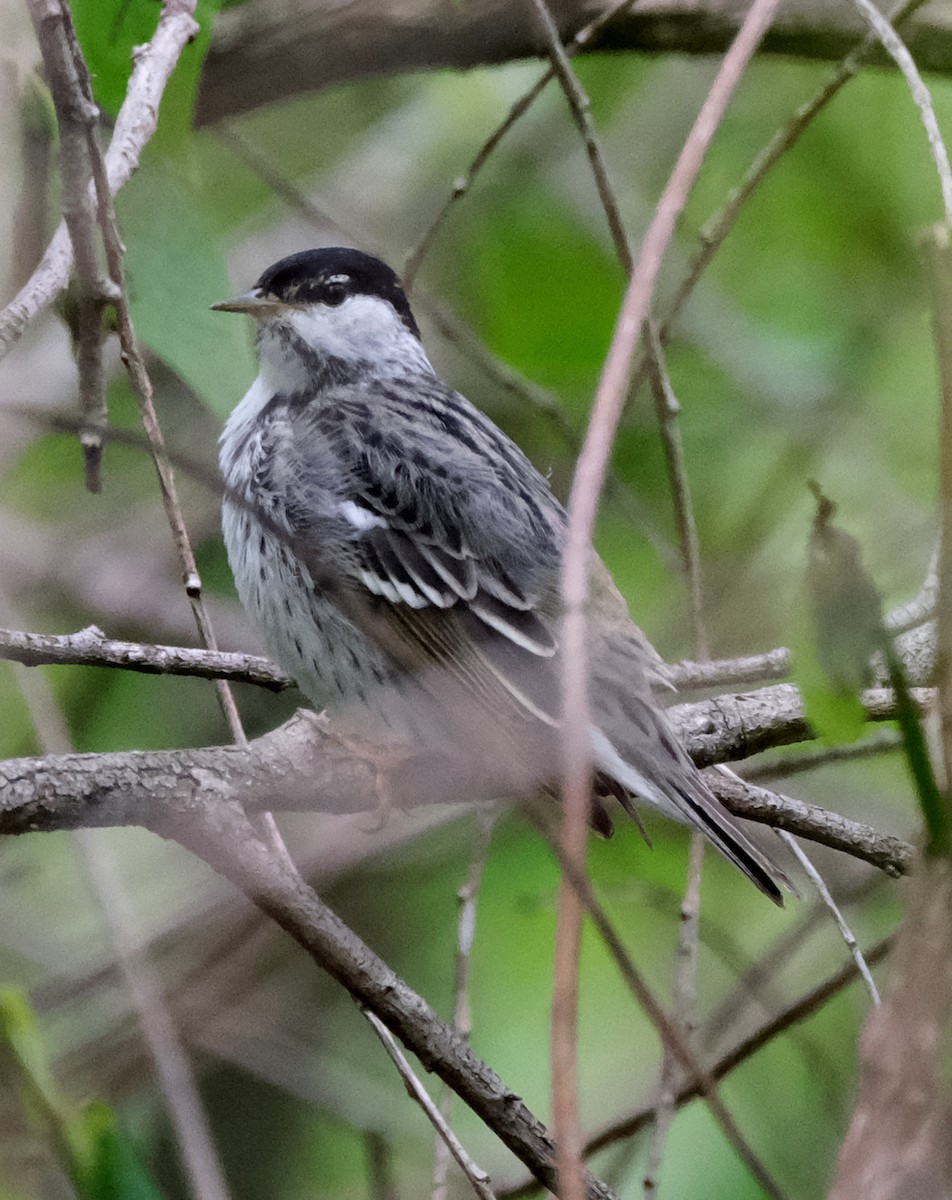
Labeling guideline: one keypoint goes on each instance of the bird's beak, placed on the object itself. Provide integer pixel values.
(252, 303)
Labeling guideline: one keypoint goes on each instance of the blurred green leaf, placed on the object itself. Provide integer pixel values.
(115, 1171)
(62, 1125)
(175, 269)
(549, 290)
(93, 1150)
(847, 611)
(37, 114)
(109, 31)
(847, 628)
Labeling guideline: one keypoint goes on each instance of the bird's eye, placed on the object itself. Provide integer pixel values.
(334, 294)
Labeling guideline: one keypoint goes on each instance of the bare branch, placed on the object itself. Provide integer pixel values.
(135, 125)
(846, 933)
(467, 898)
(733, 727)
(667, 409)
(670, 1035)
(896, 49)
(465, 182)
(477, 1177)
(222, 835)
(812, 760)
(303, 766)
(78, 117)
(684, 1014)
(574, 833)
(280, 48)
(581, 111)
(593, 460)
(725, 672)
(718, 226)
(939, 256)
(91, 648)
(890, 854)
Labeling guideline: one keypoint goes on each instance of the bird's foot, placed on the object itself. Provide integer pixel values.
(383, 759)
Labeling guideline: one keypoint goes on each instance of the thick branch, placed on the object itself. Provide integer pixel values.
(279, 48)
(303, 766)
(222, 835)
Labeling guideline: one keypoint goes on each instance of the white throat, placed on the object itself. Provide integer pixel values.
(363, 331)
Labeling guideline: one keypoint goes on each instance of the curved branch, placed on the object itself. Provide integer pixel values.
(305, 766)
(280, 48)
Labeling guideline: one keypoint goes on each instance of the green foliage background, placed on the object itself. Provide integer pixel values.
(805, 353)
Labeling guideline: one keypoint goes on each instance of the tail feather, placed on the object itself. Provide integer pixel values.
(680, 791)
(723, 833)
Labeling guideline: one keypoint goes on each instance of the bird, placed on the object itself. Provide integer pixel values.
(389, 539)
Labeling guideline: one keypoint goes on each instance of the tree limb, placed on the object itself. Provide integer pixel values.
(304, 766)
(280, 48)
(224, 837)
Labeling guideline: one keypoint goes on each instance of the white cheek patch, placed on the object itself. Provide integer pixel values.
(363, 328)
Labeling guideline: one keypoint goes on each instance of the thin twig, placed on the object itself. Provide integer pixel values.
(581, 111)
(574, 832)
(463, 184)
(684, 1002)
(477, 1177)
(824, 892)
(812, 760)
(799, 1010)
(134, 126)
(716, 229)
(894, 46)
(142, 389)
(889, 854)
(668, 409)
(173, 1070)
(757, 982)
(78, 116)
(224, 837)
(467, 898)
(90, 647)
(670, 1036)
(593, 460)
(725, 672)
(666, 403)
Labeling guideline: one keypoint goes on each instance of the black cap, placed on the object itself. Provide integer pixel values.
(330, 274)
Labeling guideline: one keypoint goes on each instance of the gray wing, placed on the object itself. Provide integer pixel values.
(442, 519)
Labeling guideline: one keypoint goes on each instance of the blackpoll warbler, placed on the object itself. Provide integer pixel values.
(389, 539)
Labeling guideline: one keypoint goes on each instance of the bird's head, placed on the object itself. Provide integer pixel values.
(328, 314)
